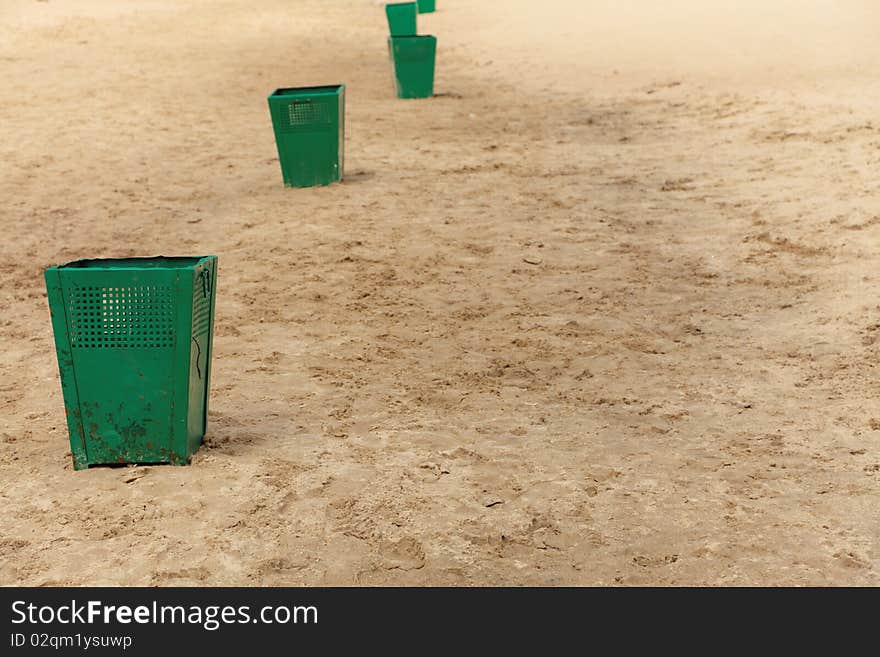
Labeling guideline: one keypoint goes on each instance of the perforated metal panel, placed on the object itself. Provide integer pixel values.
(308, 113)
(416, 49)
(138, 317)
(402, 18)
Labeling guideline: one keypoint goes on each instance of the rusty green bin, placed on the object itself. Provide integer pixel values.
(133, 338)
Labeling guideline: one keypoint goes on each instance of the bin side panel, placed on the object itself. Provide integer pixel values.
(203, 296)
(427, 6)
(121, 328)
(65, 365)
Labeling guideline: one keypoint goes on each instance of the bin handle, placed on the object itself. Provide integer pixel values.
(206, 282)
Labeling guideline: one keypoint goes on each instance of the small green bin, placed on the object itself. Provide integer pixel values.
(133, 338)
(427, 6)
(402, 18)
(412, 60)
(309, 125)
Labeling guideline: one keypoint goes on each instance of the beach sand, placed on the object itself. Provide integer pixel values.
(603, 311)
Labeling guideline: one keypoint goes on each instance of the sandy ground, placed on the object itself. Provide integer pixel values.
(605, 311)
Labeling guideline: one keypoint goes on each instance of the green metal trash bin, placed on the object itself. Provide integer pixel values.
(402, 18)
(427, 6)
(133, 338)
(309, 125)
(412, 59)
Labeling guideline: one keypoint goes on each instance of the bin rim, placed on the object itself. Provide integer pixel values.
(292, 92)
(135, 263)
(412, 37)
(397, 4)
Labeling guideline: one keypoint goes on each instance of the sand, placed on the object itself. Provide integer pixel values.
(604, 311)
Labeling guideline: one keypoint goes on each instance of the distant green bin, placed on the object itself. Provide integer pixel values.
(402, 18)
(133, 338)
(309, 125)
(427, 6)
(412, 60)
